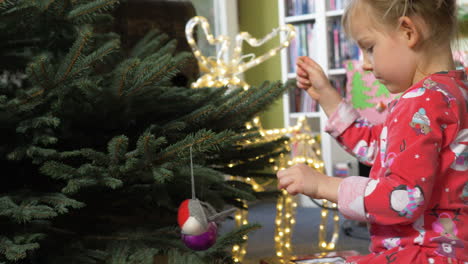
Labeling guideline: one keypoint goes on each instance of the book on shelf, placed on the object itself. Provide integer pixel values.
(299, 7)
(339, 82)
(305, 44)
(301, 102)
(335, 4)
(340, 47)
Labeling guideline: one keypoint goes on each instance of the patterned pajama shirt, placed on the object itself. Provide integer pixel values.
(416, 197)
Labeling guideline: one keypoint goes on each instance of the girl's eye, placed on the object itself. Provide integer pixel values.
(370, 49)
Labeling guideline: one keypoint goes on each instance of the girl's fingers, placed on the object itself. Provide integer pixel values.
(311, 69)
(281, 173)
(300, 59)
(302, 86)
(301, 72)
(307, 68)
(285, 182)
(302, 80)
(292, 189)
(308, 61)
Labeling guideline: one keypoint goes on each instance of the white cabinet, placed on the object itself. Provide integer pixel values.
(317, 23)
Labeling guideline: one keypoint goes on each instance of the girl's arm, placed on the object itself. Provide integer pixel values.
(360, 138)
(301, 178)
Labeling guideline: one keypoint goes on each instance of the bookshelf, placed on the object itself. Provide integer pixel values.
(319, 36)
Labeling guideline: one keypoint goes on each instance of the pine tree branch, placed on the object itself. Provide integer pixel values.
(201, 137)
(124, 77)
(17, 248)
(84, 39)
(45, 73)
(164, 70)
(91, 7)
(149, 44)
(195, 116)
(229, 106)
(46, 6)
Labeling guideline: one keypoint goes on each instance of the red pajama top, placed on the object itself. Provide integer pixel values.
(416, 197)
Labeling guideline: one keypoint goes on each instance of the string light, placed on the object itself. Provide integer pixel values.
(239, 250)
(322, 234)
(304, 147)
(223, 70)
(241, 217)
(285, 210)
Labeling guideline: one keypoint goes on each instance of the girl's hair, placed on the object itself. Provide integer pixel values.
(439, 15)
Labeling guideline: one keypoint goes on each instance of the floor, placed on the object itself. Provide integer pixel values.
(305, 234)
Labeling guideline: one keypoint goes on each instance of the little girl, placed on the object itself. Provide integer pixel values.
(416, 196)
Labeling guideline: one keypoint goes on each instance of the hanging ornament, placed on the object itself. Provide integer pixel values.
(224, 69)
(197, 220)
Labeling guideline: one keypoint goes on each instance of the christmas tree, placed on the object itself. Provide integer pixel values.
(95, 141)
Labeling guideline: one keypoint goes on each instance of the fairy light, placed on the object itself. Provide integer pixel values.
(239, 250)
(241, 217)
(304, 148)
(322, 234)
(285, 210)
(223, 69)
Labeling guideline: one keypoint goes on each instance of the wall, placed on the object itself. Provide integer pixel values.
(260, 17)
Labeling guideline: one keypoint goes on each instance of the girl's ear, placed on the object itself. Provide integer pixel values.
(410, 31)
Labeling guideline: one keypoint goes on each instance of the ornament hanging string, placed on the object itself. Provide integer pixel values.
(191, 174)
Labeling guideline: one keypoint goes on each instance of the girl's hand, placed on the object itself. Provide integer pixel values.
(301, 178)
(311, 78)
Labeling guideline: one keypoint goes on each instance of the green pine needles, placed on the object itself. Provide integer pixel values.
(94, 141)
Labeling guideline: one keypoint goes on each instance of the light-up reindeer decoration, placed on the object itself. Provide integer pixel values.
(224, 70)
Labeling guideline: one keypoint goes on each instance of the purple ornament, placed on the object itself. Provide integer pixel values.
(202, 241)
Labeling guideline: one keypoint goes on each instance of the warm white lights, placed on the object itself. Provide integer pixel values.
(323, 227)
(305, 148)
(223, 69)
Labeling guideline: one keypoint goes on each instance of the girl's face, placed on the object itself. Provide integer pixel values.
(385, 53)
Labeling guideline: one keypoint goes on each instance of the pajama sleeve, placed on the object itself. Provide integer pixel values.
(355, 134)
(411, 139)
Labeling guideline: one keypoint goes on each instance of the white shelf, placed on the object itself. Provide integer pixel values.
(331, 152)
(299, 18)
(337, 71)
(306, 114)
(334, 13)
(292, 75)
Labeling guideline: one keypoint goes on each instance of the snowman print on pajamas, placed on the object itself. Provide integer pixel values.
(405, 200)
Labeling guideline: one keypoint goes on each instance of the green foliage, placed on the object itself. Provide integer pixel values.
(17, 248)
(95, 140)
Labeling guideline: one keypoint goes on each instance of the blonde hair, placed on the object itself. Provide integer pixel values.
(439, 15)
